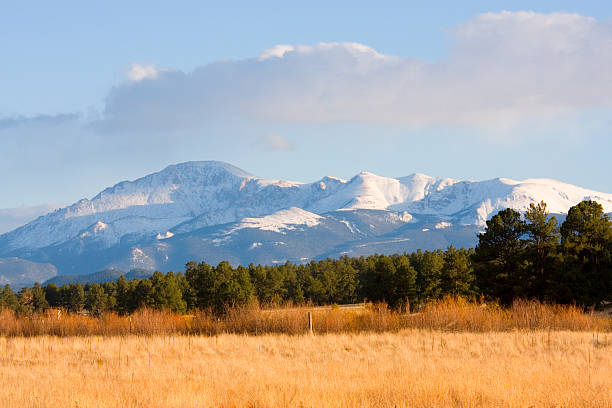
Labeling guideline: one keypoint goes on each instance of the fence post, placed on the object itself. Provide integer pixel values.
(310, 322)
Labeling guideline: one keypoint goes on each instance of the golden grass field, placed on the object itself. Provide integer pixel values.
(406, 368)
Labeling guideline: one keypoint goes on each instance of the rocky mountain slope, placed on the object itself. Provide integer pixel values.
(214, 211)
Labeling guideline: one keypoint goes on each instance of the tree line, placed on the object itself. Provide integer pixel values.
(517, 256)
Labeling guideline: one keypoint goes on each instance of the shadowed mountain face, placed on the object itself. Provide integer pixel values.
(213, 211)
(20, 272)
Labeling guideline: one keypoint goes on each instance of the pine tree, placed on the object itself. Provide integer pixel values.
(52, 294)
(404, 296)
(141, 291)
(166, 293)
(429, 276)
(123, 296)
(542, 241)
(8, 299)
(73, 297)
(201, 278)
(96, 300)
(457, 275)
(586, 245)
(499, 255)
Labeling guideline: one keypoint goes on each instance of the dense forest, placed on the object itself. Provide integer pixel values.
(518, 255)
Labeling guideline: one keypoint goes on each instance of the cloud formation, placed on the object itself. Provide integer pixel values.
(37, 121)
(506, 74)
(138, 72)
(503, 68)
(273, 142)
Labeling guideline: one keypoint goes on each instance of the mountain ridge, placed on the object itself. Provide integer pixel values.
(159, 220)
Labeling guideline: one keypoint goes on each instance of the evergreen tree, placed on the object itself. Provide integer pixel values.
(220, 287)
(166, 292)
(499, 254)
(542, 242)
(188, 294)
(586, 242)
(234, 288)
(347, 281)
(96, 300)
(110, 288)
(8, 299)
(457, 275)
(72, 297)
(404, 295)
(429, 276)
(123, 296)
(141, 294)
(201, 278)
(52, 295)
(32, 299)
(378, 279)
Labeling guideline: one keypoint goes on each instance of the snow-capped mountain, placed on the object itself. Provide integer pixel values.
(213, 211)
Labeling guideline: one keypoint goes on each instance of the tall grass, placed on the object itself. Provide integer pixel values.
(408, 368)
(447, 315)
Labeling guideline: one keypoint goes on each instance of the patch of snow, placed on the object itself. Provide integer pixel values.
(165, 235)
(221, 241)
(405, 217)
(99, 226)
(141, 259)
(349, 226)
(280, 221)
(255, 245)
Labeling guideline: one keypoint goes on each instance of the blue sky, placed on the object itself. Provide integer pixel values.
(94, 94)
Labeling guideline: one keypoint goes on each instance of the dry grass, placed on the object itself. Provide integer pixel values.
(446, 315)
(409, 368)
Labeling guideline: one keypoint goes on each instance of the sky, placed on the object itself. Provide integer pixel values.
(93, 94)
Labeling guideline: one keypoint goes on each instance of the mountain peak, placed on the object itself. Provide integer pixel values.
(208, 166)
(191, 196)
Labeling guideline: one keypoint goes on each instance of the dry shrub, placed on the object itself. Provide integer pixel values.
(458, 314)
(448, 314)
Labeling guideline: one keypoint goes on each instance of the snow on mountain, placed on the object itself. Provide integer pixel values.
(190, 196)
(280, 221)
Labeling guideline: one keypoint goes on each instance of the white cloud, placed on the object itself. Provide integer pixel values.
(514, 73)
(138, 72)
(274, 142)
(277, 51)
(41, 121)
(503, 69)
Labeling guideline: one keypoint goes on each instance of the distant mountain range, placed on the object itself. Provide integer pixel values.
(11, 218)
(213, 211)
(107, 275)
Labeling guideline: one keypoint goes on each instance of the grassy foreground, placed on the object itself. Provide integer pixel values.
(408, 368)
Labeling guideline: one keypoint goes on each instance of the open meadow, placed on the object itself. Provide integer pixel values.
(409, 368)
(451, 354)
